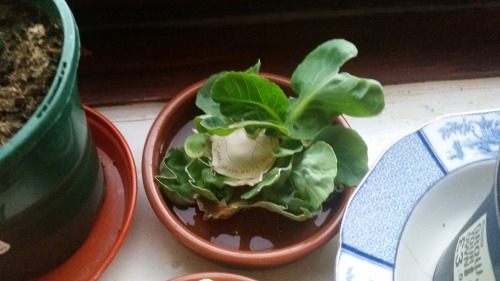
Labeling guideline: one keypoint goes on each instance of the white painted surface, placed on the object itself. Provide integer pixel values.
(150, 252)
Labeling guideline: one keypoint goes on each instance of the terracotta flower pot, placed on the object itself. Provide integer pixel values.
(255, 237)
(51, 181)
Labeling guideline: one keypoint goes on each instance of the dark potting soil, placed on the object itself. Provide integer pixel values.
(30, 49)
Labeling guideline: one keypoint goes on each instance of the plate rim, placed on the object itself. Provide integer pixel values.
(417, 131)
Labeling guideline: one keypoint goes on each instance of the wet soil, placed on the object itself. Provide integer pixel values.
(30, 49)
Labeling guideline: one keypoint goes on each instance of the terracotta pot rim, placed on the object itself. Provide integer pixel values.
(212, 275)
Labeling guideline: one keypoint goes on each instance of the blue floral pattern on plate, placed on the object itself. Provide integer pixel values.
(378, 211)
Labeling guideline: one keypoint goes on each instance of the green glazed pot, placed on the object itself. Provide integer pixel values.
(51, 180)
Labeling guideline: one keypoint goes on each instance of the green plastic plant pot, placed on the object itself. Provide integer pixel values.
(51, 180)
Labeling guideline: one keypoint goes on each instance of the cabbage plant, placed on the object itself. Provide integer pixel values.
(257, 147)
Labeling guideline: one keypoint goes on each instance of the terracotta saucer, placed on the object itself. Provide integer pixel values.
(254, 238)
(117, 210)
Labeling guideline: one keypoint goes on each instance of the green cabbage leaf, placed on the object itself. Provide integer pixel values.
(310, 156)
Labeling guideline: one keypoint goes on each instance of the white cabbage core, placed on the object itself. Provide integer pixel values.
(242, 158)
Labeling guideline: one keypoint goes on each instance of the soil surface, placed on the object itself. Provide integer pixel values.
(30, 49)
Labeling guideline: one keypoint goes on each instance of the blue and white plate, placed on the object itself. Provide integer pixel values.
(416, 198)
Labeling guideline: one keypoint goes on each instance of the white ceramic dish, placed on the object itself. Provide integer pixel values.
(416, 198)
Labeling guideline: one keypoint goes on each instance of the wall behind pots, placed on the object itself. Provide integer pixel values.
(140, 11)
(148, 50)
